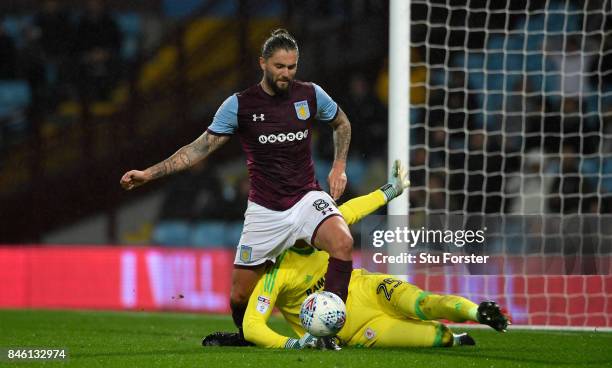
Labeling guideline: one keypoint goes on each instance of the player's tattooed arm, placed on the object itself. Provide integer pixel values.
(342, 135)
(342, 139)
(184, 158)
(188, 155)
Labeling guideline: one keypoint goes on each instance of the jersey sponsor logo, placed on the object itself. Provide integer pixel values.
(259, 117)
(302, 110)
(245, 253)
(283, 137)
(263, 304)
(318, 286)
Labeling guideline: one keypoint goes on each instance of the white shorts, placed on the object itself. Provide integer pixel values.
(267, 233)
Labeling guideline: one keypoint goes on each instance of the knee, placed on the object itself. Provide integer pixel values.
(239, 296)
(342, 247)
(426, 305)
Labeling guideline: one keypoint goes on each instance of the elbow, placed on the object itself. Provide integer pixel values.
(344, 128)
(341, 122)
(343, 125)
(248, 329)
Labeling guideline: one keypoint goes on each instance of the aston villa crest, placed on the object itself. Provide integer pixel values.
(301, 109)
(245, 253)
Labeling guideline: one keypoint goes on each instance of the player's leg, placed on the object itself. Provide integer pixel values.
(403, 298)
(450, 307)
(398, 297)
(326, 231)
(244, 280)
(334, 237)
(459, 309)
(413, 333)
(265, 235)
(393, 332)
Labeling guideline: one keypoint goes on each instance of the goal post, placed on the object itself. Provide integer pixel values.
(514, 136)
(399, 97)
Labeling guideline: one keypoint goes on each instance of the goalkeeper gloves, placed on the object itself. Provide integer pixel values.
(307, 341)
(398, 181)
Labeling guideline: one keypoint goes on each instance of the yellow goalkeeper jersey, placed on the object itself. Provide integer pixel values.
(299, 272)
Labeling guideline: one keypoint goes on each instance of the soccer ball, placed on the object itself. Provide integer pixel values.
(323, 314)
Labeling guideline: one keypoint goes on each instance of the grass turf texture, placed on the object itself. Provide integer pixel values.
(141, 339)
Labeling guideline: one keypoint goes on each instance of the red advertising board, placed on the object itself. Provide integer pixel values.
(153, 278)
(115, 278)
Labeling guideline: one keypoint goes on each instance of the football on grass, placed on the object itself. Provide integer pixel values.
(323, 314)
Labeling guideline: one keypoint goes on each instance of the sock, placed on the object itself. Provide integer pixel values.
(456, 339)
(238, 311)
(338, 276)
(358, 208)
(451, 307)
(462, 339)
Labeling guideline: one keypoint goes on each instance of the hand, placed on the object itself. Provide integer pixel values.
(337, 179)
(399, 177)
(307, 341)
(398, 181)
(133, 179)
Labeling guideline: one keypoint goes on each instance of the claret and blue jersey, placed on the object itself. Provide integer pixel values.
(275, 132)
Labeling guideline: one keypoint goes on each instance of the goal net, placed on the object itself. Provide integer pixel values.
(511, 131)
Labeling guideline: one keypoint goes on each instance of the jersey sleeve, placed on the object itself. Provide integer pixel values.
(258, 312)
(358, 208)
(327, 109)
(225, 121)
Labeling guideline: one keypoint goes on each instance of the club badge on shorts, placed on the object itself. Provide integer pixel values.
(245, 253)
(301, 109)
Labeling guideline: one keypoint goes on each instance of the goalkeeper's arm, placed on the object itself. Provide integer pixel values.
(258, 312)
(255, 324)
(356, 209)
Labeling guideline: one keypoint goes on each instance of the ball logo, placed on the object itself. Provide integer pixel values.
(282, 137)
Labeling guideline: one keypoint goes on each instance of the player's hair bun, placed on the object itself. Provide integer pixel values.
(281, 31)
(280, 38)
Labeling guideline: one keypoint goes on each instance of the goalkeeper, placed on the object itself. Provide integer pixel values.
(381, 311)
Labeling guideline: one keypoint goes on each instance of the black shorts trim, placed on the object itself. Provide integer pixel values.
(314, 233)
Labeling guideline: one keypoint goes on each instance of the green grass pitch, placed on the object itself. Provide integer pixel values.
(142, 339)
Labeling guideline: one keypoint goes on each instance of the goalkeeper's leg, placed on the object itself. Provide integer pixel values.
(398, 297)
(393, 332)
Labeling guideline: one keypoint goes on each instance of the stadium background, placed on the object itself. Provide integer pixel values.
(84, 98)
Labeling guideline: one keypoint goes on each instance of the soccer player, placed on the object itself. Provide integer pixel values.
(273, 120)
(381, 311)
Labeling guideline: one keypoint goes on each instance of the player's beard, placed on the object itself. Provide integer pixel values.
(277, 90)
